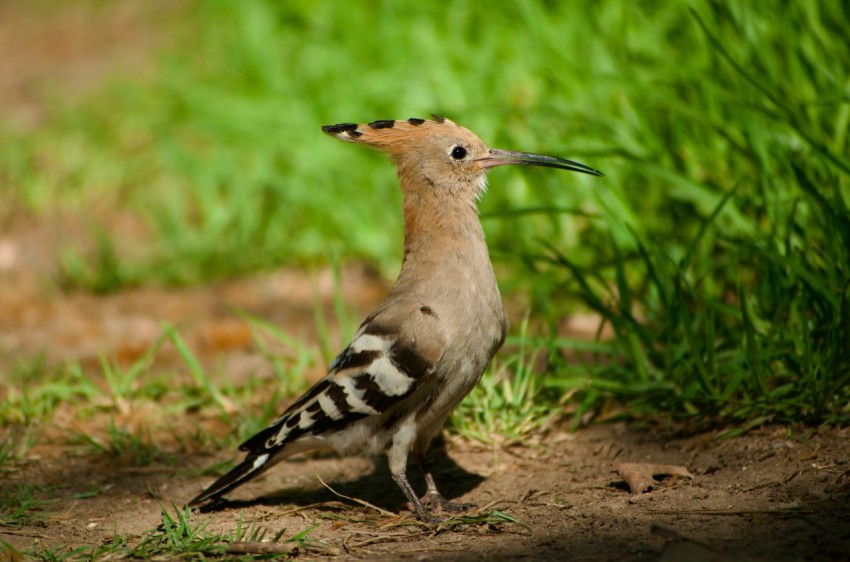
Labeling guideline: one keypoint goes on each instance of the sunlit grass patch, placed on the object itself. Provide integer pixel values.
(178, 535)
(139, 414)
(723, 323)
(35, 389)
(136, 448)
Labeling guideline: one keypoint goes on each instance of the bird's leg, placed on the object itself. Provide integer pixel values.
(397, 455)
(421, 513)
(433, 497)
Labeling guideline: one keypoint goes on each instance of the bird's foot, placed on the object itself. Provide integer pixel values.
(429, 518)
(423, 514)
(439, 504)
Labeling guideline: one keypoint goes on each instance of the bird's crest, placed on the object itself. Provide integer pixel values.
(388, 134)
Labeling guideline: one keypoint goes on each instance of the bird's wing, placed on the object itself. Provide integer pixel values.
(392, 354)
(385, 363)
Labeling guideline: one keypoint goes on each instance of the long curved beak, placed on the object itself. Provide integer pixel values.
(498, 157)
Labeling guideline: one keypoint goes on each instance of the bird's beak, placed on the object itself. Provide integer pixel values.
(498, 157)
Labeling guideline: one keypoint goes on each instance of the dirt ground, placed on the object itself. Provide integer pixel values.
(770, 494)
(762, 496)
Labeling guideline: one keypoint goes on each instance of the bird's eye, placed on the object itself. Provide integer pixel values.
(458, 153)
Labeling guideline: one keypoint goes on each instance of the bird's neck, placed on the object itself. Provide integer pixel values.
(444, 242)
(439, 225)
(447, 268)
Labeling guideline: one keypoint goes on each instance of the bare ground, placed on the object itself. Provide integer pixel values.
(762, 496)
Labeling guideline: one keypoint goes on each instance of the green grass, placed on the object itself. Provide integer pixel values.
(122, 411)
(36, 388)
(20, 506)
(741, 312)
(134, 448)
(182, 536)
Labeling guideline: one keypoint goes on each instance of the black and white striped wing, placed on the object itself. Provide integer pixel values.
(378, 369)
(366, 379)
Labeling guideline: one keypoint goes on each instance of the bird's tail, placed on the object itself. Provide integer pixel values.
(248, 469)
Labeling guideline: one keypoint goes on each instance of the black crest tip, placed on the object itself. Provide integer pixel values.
(382, 124)
(340, 128)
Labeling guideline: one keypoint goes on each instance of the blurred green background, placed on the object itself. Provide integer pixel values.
(716, 249)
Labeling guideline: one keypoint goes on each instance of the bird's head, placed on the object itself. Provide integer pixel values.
(439, 154)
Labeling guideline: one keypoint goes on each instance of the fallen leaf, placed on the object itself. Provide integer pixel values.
(807, 455)
(640, 476)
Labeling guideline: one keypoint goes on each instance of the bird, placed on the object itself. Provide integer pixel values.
(426, 346)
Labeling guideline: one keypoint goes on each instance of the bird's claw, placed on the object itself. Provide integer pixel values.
(453, 507)
(430, 519)
(438, 505)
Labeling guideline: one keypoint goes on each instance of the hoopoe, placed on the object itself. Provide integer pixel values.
(426, 346)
